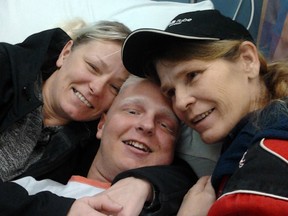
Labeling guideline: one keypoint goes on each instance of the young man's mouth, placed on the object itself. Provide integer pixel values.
(138, 145)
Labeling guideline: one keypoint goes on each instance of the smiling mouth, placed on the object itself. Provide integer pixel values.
(202, 116)
(137, 145)
(82, 98)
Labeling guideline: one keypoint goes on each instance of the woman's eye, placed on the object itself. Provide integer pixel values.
(170, 93)
(94, 69)
(115, 89)
(190, 76)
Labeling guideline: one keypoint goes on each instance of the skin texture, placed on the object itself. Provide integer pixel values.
(87, 206)
(139, 130)
(142, 114)
(95, 71)
(198, 199)
(212, 96)
(126, 198)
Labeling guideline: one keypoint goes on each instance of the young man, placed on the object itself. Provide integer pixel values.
(140, 129)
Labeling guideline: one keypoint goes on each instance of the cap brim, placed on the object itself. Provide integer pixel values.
(138, 45)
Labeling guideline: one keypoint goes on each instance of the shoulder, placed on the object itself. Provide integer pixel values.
(55, 35)
(260, 183)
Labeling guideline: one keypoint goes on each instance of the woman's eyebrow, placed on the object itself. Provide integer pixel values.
(101, 58)
(110, 54)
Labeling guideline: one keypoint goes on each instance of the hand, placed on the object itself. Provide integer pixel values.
(198, 199)
(94, 206)
(131, 193)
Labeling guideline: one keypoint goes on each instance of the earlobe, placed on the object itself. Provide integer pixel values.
(101, 126)
(64, 53)
(250, 59)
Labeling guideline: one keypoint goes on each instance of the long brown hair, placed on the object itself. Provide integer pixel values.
(274, 75)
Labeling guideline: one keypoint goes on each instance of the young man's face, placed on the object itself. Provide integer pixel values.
(139, 130)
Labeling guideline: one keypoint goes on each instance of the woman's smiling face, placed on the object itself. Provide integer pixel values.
(88, 79)
(209, 96)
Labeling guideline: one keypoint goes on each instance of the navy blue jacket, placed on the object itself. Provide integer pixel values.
(244, 141)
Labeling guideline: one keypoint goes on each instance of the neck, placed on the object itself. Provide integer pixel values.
(50, 116)
(261, 97)
(97, 171)
(50, 119)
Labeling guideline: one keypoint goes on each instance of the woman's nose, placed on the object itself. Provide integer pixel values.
(97, 86)
(183, 100)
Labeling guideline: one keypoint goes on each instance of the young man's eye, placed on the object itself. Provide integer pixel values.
(132, 111)
(166, 127)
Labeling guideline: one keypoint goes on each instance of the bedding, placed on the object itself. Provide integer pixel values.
(20, 18)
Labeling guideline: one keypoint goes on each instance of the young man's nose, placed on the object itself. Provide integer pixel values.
(146, 125)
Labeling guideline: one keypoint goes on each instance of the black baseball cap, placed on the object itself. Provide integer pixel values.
(196, 25)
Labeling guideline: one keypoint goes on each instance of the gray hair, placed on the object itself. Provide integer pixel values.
(131, 80)
(103, 31)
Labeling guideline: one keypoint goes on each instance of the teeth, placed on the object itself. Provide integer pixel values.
(82, 98)
(202, 116)
(138, 145)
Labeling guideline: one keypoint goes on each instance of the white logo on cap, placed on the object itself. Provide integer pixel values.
(179, 21)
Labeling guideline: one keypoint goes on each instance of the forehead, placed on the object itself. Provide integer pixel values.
(101, 48)
(147, 97)
(106, 55)
(146, 93)
(169, 72)
(167, 68)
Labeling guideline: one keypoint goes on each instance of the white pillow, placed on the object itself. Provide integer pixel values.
(21, 18)
(200, 156)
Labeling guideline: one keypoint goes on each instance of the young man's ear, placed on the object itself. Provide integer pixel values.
(101, 126)
(250, 59)
(64, 53)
